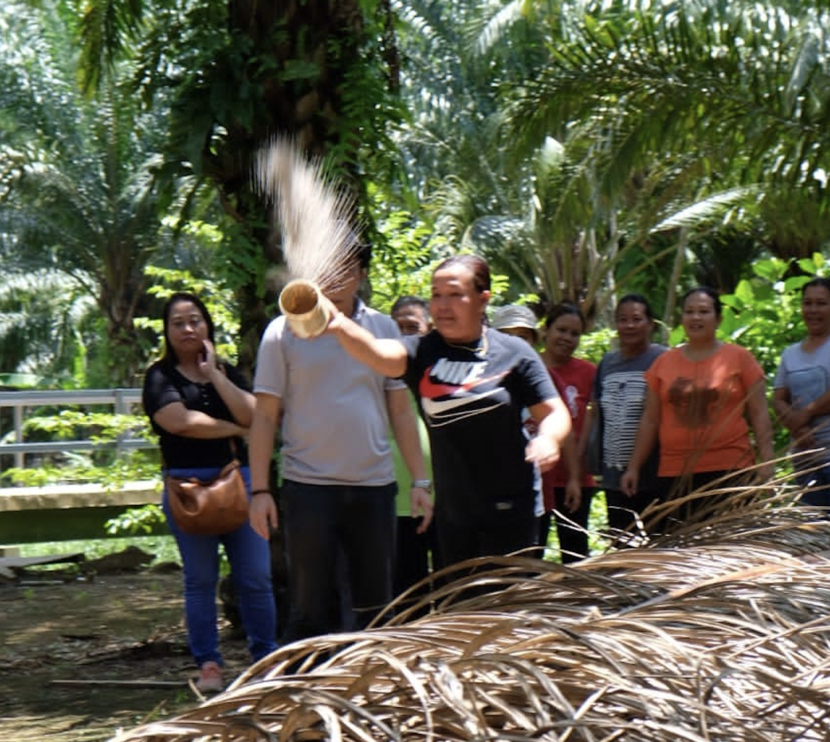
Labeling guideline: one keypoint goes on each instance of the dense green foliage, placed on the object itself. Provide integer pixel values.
(585, 147)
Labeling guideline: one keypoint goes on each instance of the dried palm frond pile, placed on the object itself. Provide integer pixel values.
(725, 639)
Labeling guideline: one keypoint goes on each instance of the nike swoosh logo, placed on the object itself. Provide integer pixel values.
(428, 389)
(436, 407)
(461, 400)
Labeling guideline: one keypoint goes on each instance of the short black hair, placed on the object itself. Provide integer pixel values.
(363, 253)
(817, 282)
(475, 264)
(411, 301)
(710, 292)
(562, 309)
(636, 299)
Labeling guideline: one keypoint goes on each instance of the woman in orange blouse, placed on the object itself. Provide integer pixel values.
(703, 398)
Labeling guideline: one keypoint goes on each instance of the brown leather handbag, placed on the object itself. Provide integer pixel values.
(209, 508)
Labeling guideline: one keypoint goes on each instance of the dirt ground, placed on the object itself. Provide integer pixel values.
(109, 634)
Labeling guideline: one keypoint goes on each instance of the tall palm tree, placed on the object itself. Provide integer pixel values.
(46, 324)
(510, 199)
(719, 112)
(75, 195)
(237, 73)
(696, 130)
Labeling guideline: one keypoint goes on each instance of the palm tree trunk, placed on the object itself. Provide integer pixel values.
(671, 294)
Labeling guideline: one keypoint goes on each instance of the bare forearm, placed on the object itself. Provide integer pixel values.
(260, 449)
(195, 424)
(588, 426)
(798, 420)
(570, 455)
(239, 402)
(556, 422)
(644, 444)
(384, 355)
(816, 408)
(781, 403)
(759, 419)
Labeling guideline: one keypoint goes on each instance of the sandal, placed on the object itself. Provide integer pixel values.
(210, 678)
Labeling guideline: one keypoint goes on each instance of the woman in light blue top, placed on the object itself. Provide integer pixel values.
(802, 394)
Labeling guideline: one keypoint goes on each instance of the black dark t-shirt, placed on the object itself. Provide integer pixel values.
(472, 404)
(163, 384)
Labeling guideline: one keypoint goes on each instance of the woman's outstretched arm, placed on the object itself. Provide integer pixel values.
(387, 356)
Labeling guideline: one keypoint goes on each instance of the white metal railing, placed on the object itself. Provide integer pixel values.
(122, 400)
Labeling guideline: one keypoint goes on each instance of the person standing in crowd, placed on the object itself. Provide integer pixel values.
(703, 397)
(520, 321)
(568, 488)
(473, 383)
(416, 547)
(517, 320)
(338, 482)
(616, 407)
(411, 314)
(801, 397)
(198, 406)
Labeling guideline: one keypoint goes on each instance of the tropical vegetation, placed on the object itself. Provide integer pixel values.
(585, 147)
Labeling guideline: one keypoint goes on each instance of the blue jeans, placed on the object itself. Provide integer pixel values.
(250, 559)
(320, 522)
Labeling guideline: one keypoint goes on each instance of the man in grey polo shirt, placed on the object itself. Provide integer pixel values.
(338, 490)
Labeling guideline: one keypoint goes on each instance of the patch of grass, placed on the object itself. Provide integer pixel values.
(164, 547)
(597, 525)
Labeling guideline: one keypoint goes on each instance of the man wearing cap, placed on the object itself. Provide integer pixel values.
(519, 320)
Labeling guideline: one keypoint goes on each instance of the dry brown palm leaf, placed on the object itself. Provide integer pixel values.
(725, 640)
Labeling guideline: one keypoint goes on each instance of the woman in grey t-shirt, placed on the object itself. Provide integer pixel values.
(617, 404)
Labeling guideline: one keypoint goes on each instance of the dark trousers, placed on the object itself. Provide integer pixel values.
(815, 487)
(327, 523)
(678, 488)
(415, 553)
(250, 562)
(571, 528)
(417, 556)
(460, 541)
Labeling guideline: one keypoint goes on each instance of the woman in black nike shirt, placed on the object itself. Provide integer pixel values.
(472, 383)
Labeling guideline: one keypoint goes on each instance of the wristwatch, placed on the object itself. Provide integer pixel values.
(422, 484)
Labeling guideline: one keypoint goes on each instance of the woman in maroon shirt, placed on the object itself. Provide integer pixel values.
(567, 488)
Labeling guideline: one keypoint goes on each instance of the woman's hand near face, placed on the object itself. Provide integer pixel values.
(208, 364)
(239, 401)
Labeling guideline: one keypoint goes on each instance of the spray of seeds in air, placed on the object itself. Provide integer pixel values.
(318, 241)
